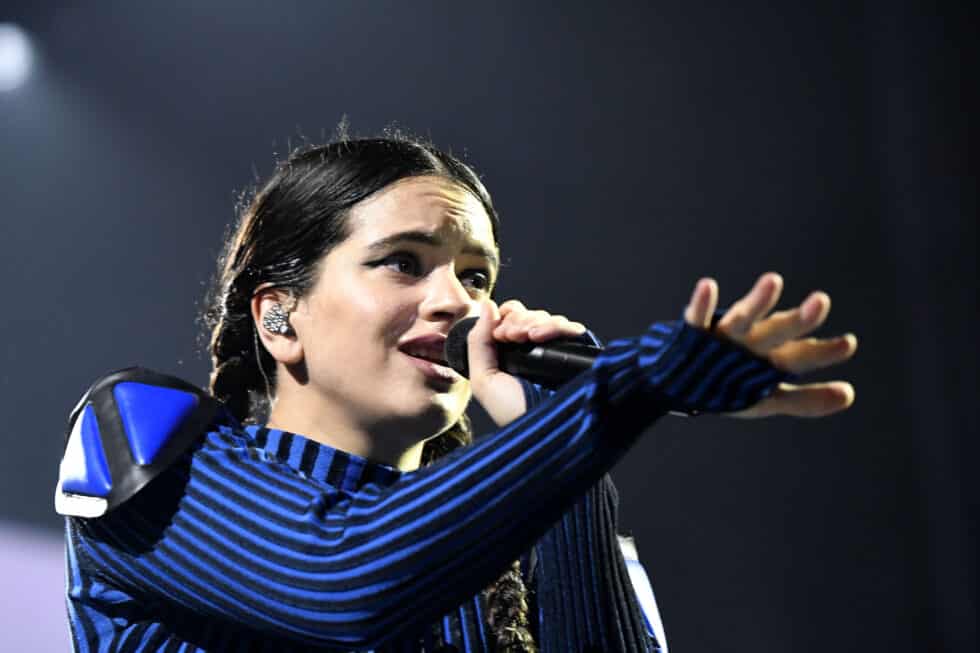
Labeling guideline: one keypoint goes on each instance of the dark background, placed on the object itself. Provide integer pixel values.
(631, 149)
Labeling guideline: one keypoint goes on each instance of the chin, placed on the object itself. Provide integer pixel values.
(424, 411)
(440, 411)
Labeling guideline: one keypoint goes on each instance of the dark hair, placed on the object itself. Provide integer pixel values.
(295, 219)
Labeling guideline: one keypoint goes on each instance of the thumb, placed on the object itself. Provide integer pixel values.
(481, 350)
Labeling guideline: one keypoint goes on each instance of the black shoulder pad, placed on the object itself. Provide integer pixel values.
(129, 426)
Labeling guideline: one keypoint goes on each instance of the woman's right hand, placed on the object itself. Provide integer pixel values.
(777, 338)
(500, 393)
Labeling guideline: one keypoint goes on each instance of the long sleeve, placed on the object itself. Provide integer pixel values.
(235, 534)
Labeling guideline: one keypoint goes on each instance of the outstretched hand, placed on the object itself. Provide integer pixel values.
(778, 338)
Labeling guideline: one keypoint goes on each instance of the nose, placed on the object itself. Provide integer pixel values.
(446, 298)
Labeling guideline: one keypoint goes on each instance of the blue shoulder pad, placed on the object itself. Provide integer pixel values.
(129, 426)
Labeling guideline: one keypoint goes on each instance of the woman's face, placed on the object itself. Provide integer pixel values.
(420, 256)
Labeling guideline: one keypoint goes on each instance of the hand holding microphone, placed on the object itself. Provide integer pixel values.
(488, 351)
(550, 363)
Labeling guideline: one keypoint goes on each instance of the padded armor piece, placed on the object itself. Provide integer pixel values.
(150, 414)
(130, 426)
(84, 468)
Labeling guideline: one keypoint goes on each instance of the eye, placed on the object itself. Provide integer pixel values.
(478, 279)
(403, 262)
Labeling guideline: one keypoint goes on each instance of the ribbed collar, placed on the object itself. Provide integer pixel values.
(339, 469)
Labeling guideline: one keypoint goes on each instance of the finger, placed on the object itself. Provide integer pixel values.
(557, 327)
(511, 306)
(810, 400)
(704, 299)
(740, 317)
(515, 326)
(480, 344)
(783, 326)
(538, 326)
(799, 356)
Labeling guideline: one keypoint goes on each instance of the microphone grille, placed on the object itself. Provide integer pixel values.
(455, 347)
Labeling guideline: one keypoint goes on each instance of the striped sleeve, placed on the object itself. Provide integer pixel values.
(234, 534)
(694, 372)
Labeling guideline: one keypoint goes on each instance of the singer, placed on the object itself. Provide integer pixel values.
(337, 500)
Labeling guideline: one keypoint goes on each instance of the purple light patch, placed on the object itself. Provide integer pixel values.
(32, 563)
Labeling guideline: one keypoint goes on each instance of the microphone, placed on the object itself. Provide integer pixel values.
(550, 364)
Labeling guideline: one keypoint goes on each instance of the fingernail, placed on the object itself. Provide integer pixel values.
(810, 309)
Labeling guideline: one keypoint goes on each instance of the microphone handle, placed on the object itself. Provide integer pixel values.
(548, 366)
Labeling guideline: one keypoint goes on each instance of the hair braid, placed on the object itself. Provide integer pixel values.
(236, 379)
(508, 612)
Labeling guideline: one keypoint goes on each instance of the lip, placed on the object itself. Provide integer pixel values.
(433, 371)
(435, 344)
(435, 341)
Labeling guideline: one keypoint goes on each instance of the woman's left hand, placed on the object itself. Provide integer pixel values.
(777, 338)
(500, 393)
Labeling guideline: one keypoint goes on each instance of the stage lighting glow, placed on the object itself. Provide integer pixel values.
(15, 56)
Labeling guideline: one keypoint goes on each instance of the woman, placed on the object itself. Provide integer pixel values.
(346, 515)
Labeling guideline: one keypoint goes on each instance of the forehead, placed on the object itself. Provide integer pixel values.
(429, 204)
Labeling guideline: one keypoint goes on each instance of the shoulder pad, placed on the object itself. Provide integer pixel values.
(127, 428)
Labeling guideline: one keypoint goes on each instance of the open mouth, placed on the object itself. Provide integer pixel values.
(427, 355)
(433, 368)
(427, 350)
(430, 358)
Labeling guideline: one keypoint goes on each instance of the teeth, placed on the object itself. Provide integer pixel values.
(427, 355)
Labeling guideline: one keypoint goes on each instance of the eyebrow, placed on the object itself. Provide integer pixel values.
(433, 240)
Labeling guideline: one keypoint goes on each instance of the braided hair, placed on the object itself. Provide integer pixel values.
(285, 228)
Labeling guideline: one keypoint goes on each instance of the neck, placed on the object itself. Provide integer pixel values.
(380, 442)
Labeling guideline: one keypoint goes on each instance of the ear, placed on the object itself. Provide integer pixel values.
(284, 348)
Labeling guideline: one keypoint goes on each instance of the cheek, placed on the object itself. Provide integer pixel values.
(363, 324)
(397, 320)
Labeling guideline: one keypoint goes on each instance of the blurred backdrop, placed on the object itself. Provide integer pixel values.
(631, 149)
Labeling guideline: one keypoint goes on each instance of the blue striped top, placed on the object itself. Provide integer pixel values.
(263, 540)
